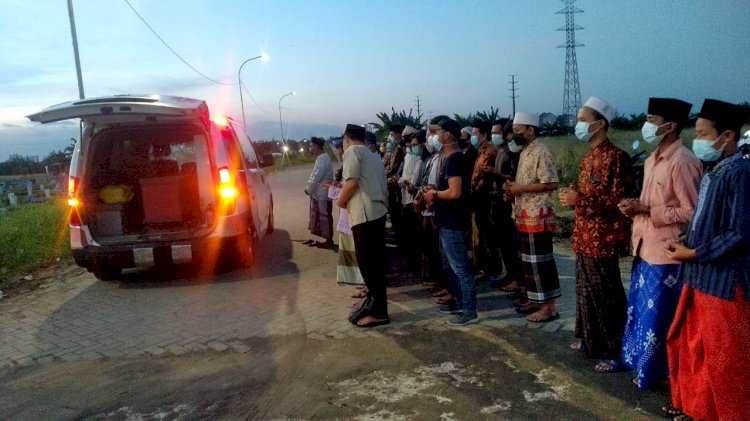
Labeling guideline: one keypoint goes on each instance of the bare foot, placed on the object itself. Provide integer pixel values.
(369, 321)
(543, 315)
(357, 303)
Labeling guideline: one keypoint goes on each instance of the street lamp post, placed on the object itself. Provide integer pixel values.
(262, 57)
(281, 127)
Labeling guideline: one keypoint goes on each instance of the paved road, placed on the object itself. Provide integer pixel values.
(291, 293)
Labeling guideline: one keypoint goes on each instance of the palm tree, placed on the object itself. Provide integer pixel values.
(401, 117)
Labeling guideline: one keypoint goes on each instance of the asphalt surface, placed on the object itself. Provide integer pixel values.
(273, 342)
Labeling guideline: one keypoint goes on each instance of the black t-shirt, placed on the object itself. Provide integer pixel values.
(454, 214)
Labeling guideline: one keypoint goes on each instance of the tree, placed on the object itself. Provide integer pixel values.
(488, 116)
(395, 118)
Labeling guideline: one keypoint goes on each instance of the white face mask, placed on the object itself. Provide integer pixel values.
(649, 132)
(582, 131)
(514, 147)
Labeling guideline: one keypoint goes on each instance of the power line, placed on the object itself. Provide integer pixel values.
(253, 99)
(172, 50)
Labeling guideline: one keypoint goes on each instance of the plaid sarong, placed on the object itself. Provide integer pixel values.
(347, 269)
(539, 269)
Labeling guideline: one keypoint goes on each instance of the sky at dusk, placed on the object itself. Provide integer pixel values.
(348, 60)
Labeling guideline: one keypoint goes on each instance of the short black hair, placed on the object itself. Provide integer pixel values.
(722, 126)
(599, 116)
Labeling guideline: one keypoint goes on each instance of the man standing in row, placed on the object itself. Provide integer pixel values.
(601, 235)
(321, 219)
(536, 179)
(707, 345)
(660, 216)
(364, 196)
(481, 188)
(454, 223)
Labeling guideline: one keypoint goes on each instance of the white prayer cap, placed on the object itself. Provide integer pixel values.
(468, 130)
(408, 130)
(601, 107)
(527, 119)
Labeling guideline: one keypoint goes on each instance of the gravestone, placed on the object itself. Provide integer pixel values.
(12, 199)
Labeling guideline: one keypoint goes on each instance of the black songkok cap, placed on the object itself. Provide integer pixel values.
(370, 137)
(397, 128)
(730, 115)
(450, 126)
(318, 141)
(673, 110)
(355, 132)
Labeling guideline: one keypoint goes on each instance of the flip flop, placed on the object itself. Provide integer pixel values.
(308, 242)
(373, 324)
(615, 367)
(549, 318)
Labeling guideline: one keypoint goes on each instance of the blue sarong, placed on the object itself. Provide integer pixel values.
(652, 302)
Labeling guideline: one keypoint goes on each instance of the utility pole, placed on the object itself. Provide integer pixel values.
(75, 48)
(419, 110)
(513, 90)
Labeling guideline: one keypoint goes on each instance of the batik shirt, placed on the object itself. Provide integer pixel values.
(604, 180)
(480, 182)
(535, 211)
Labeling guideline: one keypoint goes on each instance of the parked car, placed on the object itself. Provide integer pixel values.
(154, 181)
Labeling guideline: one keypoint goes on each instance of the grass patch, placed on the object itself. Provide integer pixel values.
(32, 236)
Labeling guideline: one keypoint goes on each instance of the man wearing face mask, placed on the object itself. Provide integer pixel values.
(393, 169)
(410, 182)
(454, 221)
(502, 210)
(536, 179)
(708, 341)
(432, 265)
(660, 216)
(601, 235)
(481, 188)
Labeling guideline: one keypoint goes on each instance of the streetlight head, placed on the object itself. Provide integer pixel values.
(286, 148)
(264, 57)
(294, 93)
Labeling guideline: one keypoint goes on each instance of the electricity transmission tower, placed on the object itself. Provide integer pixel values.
(419, 110)
(572, 94)
(513, 90)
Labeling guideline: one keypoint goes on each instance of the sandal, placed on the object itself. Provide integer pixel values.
(308, 242)
(509, 288)
(372, 323)
(548, 318)
(610, 366)
(669, 411)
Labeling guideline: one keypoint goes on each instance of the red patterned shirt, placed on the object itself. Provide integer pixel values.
(605, 178)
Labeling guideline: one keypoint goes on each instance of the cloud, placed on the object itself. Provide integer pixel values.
(8, 125)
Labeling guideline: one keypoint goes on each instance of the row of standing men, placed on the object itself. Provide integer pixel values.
(687, 318)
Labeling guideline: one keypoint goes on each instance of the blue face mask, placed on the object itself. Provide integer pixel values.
(416, 150)
(436, 143)
(704, 149)
(474, 141)
(391, 140)
(497, 139)
(390, 147)
(514, 147)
